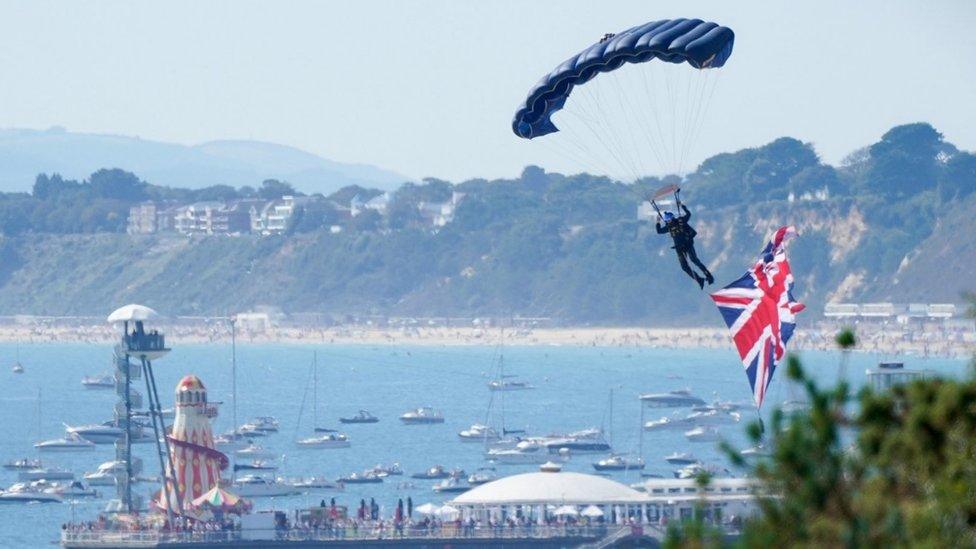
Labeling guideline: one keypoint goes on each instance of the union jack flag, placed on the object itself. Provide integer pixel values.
(760, 310)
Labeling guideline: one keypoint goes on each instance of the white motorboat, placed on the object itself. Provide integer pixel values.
(366, 477)
(106, 473)
(73, 489)
(587, 441)
(508, 385)
(98, 382)
(478, 433)
(314, 483)
(681, 458)
(452, 485)
(681, 398)
(70, 443)
(755, 451)
(527, 451)
(435, 472)
(421, 416)
(702, 434)
(619, 463)
(267, 424)
(255, 451)
(47, 473)
(99, 434)
(362, 417)
(713, 418)
(231, 442)
(669, 424)
(24, 463)
(482, 476)
(253, 486)
(550, 467)
(387, 470)
(695, 469)
(326, 441)
(251, 431)
(24, 493)
(101, 478)
(17, 368)
(256, 465)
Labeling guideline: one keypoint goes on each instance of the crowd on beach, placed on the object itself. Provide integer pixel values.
(931, 340)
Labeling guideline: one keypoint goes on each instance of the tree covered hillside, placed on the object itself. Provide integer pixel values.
(571, 247)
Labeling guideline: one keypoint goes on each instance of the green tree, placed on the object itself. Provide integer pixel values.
(117, 184)
(272, 189)
(905, 481)
(959, 178)
(905, 161)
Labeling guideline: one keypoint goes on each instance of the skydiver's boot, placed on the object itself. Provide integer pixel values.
(709, 278)
(700, 281)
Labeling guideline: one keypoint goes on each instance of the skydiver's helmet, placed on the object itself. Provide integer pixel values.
(668, 217)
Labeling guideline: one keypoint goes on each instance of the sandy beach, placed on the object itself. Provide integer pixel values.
(872, 339)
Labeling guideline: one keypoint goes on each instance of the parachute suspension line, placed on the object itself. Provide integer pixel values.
(649, 122)
(635, 119)
(646, 131)
(604, 122)
(692, 81)
(696, 92)
(705, 104)
(599, 138)
(652, 95)
(573, 141)
(674, 117)
(640, 117)
(593, 123)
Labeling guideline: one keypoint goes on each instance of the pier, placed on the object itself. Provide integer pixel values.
(374, 536)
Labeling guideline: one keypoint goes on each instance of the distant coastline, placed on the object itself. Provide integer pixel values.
(816, 338)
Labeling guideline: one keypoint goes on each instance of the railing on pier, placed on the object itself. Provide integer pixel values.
(108, 538)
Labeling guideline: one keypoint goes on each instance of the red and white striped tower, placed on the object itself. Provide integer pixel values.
(196, 461)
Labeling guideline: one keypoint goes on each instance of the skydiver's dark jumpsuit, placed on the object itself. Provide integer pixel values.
(684, 243)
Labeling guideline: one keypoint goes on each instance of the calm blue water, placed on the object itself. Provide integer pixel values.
(573, 389)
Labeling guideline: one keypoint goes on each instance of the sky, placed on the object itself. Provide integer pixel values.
(428, 88)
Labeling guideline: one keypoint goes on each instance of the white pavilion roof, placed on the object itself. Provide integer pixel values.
(556, 488)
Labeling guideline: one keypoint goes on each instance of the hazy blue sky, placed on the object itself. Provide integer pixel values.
(429, 87)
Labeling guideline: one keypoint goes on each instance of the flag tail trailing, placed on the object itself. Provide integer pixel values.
(760, 312)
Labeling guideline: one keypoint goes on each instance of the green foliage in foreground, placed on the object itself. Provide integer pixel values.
(897, 469)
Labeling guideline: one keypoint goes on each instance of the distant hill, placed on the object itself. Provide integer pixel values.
(25, 153)
(896, 222)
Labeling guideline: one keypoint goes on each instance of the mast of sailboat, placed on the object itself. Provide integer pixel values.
(233, 392)
(640, 436)
(315, 390)
(233, 372)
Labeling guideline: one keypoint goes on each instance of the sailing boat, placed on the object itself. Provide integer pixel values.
(500, 440)
(17, 367)
(329, 438)
(618, 462)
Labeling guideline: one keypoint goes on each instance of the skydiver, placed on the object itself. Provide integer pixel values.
(684, 244)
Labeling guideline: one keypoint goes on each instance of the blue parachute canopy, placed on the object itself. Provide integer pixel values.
(701, 44)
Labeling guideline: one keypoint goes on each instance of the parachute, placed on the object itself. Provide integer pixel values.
(638, 104)
(760, 310)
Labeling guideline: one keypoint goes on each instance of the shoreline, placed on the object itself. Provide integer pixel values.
(922, 343)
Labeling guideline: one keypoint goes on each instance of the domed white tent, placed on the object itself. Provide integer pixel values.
(530, 494)
(554, 488)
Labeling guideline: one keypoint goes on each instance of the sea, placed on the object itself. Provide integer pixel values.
(574, 389)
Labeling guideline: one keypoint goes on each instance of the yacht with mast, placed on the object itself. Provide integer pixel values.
(325, 438)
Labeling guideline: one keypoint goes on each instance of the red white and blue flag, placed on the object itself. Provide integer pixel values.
(760, 310)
